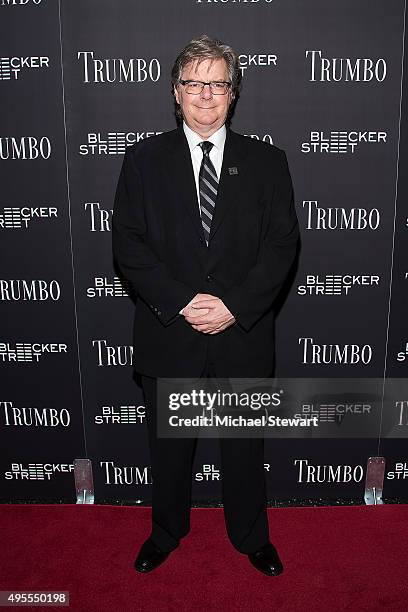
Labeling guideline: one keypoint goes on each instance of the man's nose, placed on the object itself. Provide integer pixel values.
(206, 93)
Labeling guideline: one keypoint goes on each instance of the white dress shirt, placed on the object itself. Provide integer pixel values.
(216, 155)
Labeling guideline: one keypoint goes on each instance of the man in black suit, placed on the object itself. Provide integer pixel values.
(205, 230)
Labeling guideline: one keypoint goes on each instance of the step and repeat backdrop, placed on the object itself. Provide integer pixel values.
(81, 81)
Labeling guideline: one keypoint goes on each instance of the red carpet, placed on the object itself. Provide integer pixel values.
(350, 558)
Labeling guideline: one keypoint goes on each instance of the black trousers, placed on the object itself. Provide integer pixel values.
(243, 483)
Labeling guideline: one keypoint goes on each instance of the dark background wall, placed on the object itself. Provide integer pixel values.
(81, 81)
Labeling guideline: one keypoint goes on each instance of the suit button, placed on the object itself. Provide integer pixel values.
(159, 312)
(209, 278)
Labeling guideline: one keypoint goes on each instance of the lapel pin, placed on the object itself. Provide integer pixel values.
(233, 170)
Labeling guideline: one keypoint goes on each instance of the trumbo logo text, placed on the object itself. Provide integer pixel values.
(339, 218)
(25, 147)
(18, 2)
(133, 70)
(345, 69)
(33, 290)
(113, 355)
(328, 473)
(100, 218)
(334, 354)
(127, 474)
(31, 416)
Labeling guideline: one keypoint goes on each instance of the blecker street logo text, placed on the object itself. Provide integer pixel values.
(10, 67)
(341, 141)
(28, 351)
(37, 471)
(16, 217)
(112, 143)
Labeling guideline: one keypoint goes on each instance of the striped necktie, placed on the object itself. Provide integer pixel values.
(208, 185)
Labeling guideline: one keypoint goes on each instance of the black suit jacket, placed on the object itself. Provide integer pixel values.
(159, 246)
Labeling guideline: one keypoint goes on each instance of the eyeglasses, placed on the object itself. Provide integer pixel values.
(217, 88)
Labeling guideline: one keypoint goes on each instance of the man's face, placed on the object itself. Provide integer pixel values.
(204, 113)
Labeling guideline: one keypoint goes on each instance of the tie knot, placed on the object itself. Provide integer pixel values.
(206, 147)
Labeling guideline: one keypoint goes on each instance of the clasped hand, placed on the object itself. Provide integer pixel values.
(208, 314)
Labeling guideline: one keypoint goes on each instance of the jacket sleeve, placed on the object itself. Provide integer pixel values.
(253, 297)
(148, 275)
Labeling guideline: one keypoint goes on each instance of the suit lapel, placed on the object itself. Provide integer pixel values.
(181, 170)
(182, 177)
(230, 180)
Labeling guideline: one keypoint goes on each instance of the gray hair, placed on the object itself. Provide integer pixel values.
(203, 48)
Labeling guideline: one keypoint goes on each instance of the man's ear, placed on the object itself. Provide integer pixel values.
(176, 95)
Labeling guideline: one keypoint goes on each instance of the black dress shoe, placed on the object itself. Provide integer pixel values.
(150, 556)
(266, 560)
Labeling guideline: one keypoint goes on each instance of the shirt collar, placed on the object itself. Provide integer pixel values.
(193, 139)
